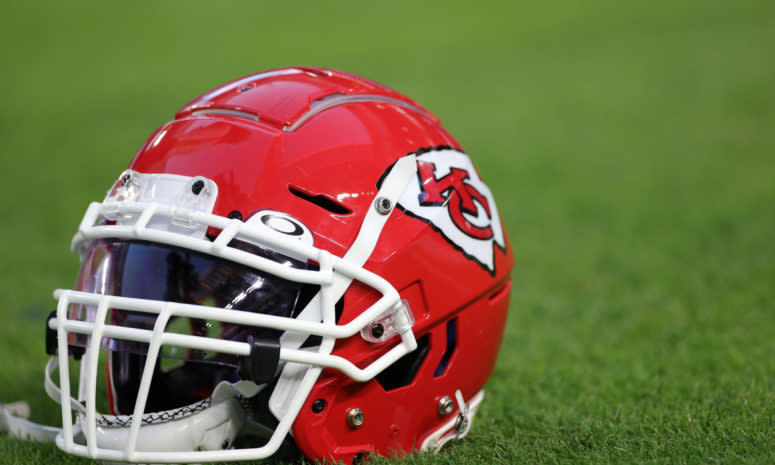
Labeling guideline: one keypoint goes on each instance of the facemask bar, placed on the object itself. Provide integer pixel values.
(334, 276)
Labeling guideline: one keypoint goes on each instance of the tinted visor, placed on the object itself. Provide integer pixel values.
(159, 272)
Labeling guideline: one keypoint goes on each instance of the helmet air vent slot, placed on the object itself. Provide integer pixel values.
(226, 112)
(451, 345)
(321, 200)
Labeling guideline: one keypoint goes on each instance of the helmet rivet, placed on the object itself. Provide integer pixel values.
(355, 418)
(383, 205)
(319, 405)
(197, 187)
(234, 215)
(446, 405)
(377, 330)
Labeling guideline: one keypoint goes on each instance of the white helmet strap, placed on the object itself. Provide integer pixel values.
(392, 186)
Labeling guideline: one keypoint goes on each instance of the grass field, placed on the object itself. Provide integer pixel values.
(631, 148)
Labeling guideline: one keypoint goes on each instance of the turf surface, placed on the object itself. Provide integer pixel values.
(631, 148)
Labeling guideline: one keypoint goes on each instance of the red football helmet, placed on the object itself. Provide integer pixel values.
(301, 250)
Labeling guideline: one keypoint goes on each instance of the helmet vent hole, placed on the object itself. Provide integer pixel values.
(451, 345)
(323, 201)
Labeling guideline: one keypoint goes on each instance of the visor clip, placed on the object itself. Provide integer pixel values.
(261, 365)
(395, 321)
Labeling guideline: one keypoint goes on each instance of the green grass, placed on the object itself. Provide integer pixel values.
(631, 149)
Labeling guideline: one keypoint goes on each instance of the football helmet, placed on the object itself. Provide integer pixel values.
(301, 256)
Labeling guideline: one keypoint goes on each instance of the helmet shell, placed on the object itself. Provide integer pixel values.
(314, 143)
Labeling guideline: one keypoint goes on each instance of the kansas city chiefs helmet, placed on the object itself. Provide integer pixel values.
(300, 257)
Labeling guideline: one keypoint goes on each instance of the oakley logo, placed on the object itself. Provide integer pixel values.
(450, 197)
(273, 222)
(282, 224)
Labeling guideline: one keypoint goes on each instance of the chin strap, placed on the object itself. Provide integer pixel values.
(376, 217)
(13, 419)
(212, 428)
(457, 427)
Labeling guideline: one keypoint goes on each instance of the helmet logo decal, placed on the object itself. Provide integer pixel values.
(460, 197)
(450, 196)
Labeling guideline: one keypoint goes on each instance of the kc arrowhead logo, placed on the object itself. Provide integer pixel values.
(449, 195)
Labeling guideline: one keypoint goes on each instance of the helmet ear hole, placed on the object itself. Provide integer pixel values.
(402, 372)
